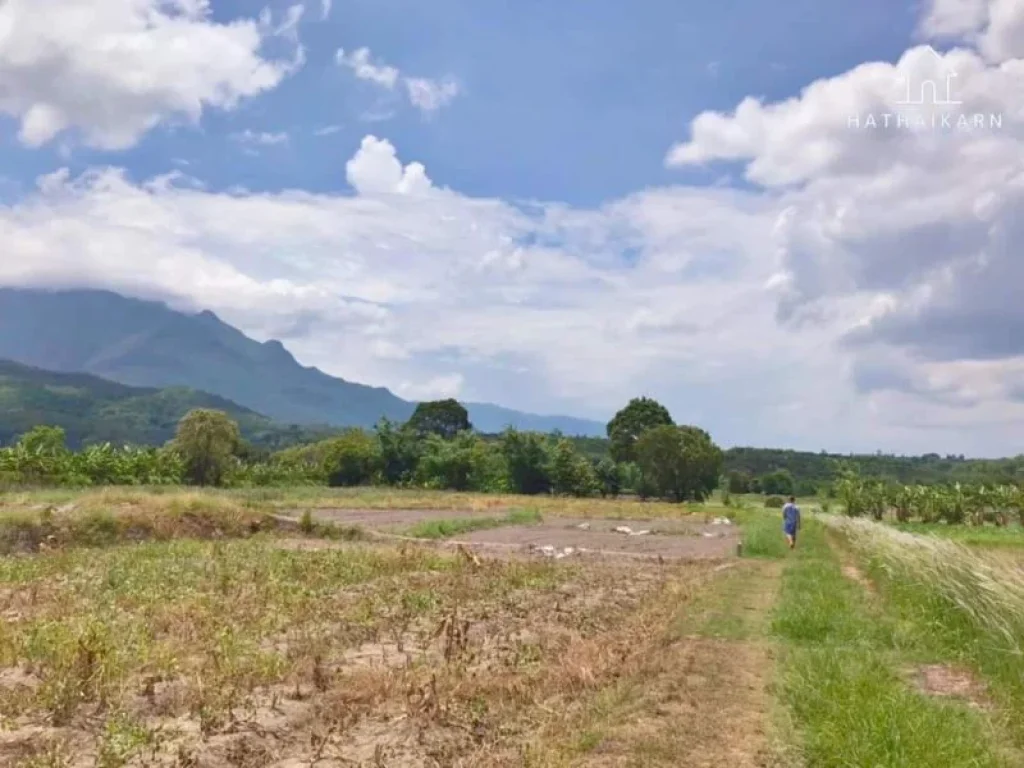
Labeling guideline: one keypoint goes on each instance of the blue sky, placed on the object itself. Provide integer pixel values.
(574, 101)
(552, 206)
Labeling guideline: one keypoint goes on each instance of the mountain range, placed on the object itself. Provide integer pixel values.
(148, 345)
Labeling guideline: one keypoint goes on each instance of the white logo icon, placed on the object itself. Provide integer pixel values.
(930, 91)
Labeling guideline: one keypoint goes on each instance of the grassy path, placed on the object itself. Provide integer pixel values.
(847, 664)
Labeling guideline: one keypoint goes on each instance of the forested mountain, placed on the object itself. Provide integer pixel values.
(94, 410)
(147, 344)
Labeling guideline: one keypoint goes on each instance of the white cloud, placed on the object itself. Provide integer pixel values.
(903, 239)
(289, 26)
(114, 69)
(430, 95)
(996, 27)
(437, 388)
(325, 8)
(327, 130)
(376, 169)
(260, 138)
(423, 93)
(361, 63)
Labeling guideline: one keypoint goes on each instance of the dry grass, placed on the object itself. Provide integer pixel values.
(270, 499)
(242, 653)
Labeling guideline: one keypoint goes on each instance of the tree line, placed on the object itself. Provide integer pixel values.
(649, 455)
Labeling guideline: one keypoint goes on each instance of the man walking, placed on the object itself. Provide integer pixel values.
(791, 521)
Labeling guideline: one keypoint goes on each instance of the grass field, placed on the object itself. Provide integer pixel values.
(181, 629)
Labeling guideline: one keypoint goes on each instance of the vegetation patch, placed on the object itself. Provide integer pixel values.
(841, 677)
(444, 529)
(183, 516)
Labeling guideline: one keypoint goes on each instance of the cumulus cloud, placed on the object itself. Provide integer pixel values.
(901, 232)
(425, 94)
(376, 169)
(995, 27)
(113, 69)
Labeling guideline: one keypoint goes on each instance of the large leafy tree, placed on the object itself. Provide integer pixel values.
(679, 463)
(444, 418)
(629, 424)
(206, 440)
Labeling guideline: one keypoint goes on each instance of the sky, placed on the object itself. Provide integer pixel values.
(796, 224)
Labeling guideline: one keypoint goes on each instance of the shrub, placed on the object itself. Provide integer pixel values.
(774, 502)
(571, 474)
(609, 477)
(351, 459)
(529, 465)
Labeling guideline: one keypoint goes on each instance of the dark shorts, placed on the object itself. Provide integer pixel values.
(790, 530)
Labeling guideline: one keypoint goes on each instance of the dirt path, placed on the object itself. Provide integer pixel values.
(702, 700)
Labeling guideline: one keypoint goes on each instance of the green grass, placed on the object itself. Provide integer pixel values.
(842, 677)
(446, 529)
(958, 605)
(762, 532)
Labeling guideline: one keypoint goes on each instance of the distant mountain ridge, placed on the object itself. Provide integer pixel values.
(147, 344)
(94, 410)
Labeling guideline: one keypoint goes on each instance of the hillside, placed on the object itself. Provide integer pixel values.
(147, 344)
(93, 410)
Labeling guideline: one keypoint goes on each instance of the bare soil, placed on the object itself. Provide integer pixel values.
(648, 539)
(947, 681)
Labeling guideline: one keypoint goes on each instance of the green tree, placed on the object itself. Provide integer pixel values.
(206, 440)
(609, 477)
(400, 449)
(680, 462)
(351, 459)
(444, 418)
(737, 481)
(44, 441)
(778, 483)
(571, 473)
(526, 455)
(629, 424)
(465, 463)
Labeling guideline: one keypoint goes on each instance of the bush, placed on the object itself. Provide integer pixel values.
(466, 463)
(351, 459)
(609, 477)
(399, 453)
(528, 461)
(571, 474)
(774, 502)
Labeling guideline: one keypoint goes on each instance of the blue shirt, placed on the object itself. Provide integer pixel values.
(791, 515)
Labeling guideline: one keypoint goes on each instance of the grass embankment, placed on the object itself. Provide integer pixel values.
(845, 676)
(276, 499)
(965, 605)
(445, 529)
(95, 521)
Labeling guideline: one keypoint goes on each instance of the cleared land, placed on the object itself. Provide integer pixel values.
(217, 630)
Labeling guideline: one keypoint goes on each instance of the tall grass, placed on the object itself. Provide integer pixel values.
(841, 676)
(987, 591)
(968, 605)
